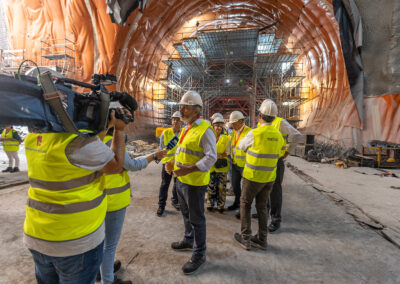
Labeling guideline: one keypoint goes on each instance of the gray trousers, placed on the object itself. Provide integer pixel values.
(261, 192)
(191, 199)
(12, 158)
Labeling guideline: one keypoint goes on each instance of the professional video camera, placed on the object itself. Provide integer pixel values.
(49, 103)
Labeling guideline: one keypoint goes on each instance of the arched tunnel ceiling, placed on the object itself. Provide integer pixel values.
(135, 51)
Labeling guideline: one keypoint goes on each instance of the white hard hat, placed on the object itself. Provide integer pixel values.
(268, 107)
(215, 115)
(235, 116)
(191, 98)
(218, 120)
(176, 114)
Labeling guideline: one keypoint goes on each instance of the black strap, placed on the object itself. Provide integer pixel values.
(53, 98)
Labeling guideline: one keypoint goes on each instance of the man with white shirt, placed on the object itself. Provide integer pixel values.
(263, 147)
(195, 154)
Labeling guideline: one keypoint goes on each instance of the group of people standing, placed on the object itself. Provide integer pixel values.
(202, 159)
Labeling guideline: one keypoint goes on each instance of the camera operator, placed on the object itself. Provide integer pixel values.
(64, 224)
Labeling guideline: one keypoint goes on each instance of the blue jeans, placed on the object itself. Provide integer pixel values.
(191, 200)
(113, 222)
(81, 268)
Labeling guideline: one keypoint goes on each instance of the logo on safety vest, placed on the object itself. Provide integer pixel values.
(39, 141)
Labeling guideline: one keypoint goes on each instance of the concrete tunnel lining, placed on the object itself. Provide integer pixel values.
(135, 51)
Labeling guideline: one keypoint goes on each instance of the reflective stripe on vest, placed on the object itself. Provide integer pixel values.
(221, 148)
(239, 156)
(189, 153)
(117, 188)
(168, 134)
(277, 124)
(12, 146)
(65, 202)
(263, 155)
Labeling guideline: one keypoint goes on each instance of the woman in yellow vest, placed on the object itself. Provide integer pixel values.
(11, 141)
(118, 191)
(216, 191)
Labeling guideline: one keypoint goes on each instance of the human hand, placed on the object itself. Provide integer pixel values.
(118, 123)
(285, 155)
(169, 167)
(161, 154)
(184, 170)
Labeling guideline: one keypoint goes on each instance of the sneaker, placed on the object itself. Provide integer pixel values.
(242, 242)
(181, 246)
(160, 211)
(15, 170)
(257, 243)
(176, 206)
(210, 208)
(193, 265)
(120, 281)
(9, 169)
(273, 227)
(233, 207)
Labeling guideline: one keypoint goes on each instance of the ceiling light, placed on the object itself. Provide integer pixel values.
(172, 86)
(179, 70)
(228, 80)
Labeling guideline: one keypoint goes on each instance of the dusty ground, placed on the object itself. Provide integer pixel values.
(318, 241)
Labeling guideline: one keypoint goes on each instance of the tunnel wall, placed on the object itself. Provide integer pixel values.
(134, 53)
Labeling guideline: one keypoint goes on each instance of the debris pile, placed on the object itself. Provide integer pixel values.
(139, 148)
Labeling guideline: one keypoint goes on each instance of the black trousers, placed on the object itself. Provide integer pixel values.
(191, 200)
(163, 195)
(236, 183)
(275, 198)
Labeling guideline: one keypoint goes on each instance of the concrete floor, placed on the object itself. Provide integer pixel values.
(318, 242)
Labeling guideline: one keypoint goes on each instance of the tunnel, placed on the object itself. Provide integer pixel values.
(237, 53)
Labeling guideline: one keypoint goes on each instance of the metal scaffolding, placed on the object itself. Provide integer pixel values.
(232, 70)
(59, 55)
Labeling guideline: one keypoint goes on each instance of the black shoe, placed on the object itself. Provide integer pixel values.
(181, 246)
(9, 169)
(237, 215)
(257, 243)
(15, 170)
(120, 281)
(210, 208)
(255, 216)
(242, 242)
(117, 265)
(233, 207)
(176, 206)
(221, 210)
(160, 211)
(273, 227)
(192, 265)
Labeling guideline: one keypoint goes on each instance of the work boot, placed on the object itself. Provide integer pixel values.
(117, 266)
(233, 207)
(120, 281)
(176, 206)
(160, 211)
(242, 242)
(9, 169)
(274, 226)
(193, 264)
(182, 246)
(257, 243)
(15, 170)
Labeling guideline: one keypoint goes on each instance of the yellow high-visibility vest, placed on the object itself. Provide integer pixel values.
(65, 202)
(262, 157)
(168, 134)
(221, 147)
(239, 156)
(189, 152)
(13, 145)
(277, 124)
(117, 188)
